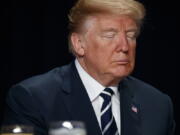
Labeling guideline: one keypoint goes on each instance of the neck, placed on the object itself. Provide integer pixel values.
(104, 79)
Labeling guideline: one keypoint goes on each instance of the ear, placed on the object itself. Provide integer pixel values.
(77, 44)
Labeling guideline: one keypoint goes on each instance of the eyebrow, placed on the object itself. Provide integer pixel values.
(114, 30)
(132, 30)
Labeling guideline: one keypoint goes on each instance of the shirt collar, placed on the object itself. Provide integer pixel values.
(93, 87)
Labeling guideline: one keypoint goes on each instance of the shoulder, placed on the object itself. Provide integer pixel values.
(153, 102)
(141, 86)
(145, 91)
(43, 84)
(38, 92)
(150, 98)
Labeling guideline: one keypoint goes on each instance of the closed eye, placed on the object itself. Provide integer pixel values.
(131, 35)
(109, 34)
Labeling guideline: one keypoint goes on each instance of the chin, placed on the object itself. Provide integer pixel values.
(122, 73)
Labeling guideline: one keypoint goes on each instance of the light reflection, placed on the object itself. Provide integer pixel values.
(68, 125)
(17, 130)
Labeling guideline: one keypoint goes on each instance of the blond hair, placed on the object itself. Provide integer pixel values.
(85, 8)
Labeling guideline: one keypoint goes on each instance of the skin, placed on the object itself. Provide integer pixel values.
(106, 47)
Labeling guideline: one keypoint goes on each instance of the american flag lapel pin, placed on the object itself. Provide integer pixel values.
(134, 108)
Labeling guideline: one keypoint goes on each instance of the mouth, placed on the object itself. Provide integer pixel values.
(122, 62)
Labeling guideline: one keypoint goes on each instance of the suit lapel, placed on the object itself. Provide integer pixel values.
(77, 101)
(130, 111)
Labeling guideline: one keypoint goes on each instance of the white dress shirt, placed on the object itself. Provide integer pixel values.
(94, 89)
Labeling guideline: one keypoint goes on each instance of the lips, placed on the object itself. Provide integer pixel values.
(122, 62)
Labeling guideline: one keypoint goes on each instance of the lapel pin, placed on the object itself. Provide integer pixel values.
(134, 109)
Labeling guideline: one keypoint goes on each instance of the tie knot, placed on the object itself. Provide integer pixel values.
(107, 93)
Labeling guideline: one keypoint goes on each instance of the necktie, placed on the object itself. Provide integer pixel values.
(108, 124)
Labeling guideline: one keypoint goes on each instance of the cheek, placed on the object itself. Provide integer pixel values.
(94, 53)
(132, 51)
(132, 56)
(98, 50)
(94, 48)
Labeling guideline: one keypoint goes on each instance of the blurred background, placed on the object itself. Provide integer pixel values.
(34, 40)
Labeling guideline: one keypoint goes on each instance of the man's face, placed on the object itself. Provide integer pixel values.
(109, 44)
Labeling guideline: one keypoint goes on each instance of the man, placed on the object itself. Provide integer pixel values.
(96, 88)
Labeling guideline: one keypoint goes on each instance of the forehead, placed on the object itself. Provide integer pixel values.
(107, 21)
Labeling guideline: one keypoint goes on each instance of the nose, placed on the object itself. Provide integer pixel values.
(122, 44)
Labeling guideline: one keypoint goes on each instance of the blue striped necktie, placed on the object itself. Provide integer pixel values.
(108, 124)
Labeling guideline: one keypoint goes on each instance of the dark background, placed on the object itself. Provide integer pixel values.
(34, 40)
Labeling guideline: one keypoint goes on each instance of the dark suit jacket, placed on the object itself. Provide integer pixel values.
(60, 95)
